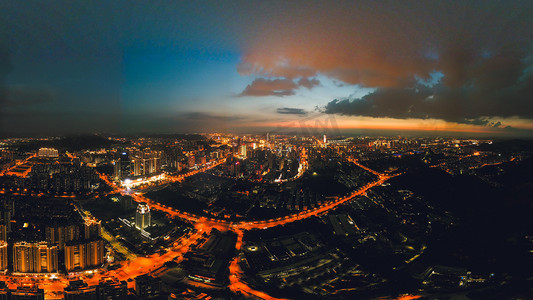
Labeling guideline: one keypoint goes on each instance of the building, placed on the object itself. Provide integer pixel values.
(242, 151)
(116, 290)
(45, 260)
(35, 258)
(83, 255)
(146, 163)
(75, 256)
(48, 152)
(61, 234)
(79, 290)
(191, 161)
(147, 286)
(3, 255)
(3, 232)
(93, 228)
(22, 257)
(142, 216)
(27, 293)
(95, 253)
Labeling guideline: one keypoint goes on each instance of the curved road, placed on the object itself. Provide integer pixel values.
(204, 224)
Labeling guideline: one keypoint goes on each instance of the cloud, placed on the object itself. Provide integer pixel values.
(291, 111)
(278, 87)
(267, 87)
(21, 95)
(308, 83)
(484, 55)
(477, 91)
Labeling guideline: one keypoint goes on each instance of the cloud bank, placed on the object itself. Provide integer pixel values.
(483, 54)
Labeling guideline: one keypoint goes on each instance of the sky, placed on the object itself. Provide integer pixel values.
(362, 67)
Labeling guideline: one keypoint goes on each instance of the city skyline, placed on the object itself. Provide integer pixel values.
(434, 68)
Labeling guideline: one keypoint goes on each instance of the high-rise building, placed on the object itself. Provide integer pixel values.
(137, 166)
(142, 216)
(93, 228)
(191, 161)
(46, 257)
(146, 163)
(75, 256)
(61, 234)
(22, 257)
(95, 253)
(3, 232)
(242, 151)
(34, 258)
(84, 254)
(3, 255)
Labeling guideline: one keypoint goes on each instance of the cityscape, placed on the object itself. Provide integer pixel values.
(266, 150)
(260, 216)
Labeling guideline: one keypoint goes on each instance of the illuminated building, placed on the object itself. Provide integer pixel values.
(242, 151)
(93, 228)
(142, 216)
(95, 253)
(46, 258)
(75, 256)
(34, 258)
(137, 164)
(23, 257)
(3, 255)
(191, 162)
(146, 163)
(62, 234)
(84, 254)
(48, 152)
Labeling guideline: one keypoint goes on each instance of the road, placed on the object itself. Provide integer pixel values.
(141, 265)
(204, 224)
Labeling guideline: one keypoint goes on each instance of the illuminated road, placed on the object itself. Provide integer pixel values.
(236, 282)
(206, 224)
(141, 265)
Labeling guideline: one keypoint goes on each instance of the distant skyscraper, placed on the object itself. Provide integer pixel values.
(142, 216)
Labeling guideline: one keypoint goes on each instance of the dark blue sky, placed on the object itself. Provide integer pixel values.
(177, 66)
